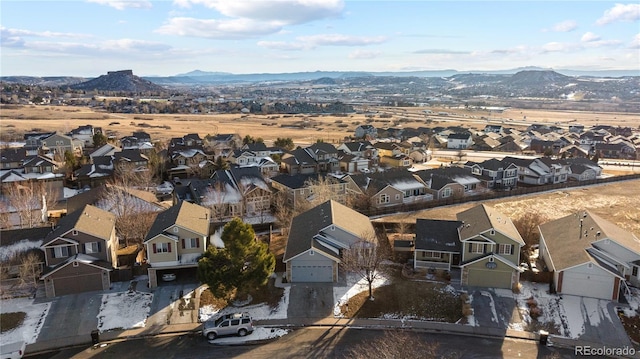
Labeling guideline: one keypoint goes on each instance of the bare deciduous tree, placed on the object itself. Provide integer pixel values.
(527, 226)
(29, 200)
(30, 270)
(283, 211)
(365, 259)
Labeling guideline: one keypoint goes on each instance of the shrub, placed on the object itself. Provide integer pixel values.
(535, 312)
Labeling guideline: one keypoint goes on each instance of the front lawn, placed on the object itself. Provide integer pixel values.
(10, 321)
(409, 299)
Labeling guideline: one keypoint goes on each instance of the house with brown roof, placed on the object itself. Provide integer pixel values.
(490, 248)
(590, 256)
(177, 237)
(80, 252)
(317, 238)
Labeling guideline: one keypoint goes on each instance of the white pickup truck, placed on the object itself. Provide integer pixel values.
(13, 350)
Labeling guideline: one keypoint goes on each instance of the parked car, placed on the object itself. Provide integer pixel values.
(13, 350)
(229, 324)
(164, 188)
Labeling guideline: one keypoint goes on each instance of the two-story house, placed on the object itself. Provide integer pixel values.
(459, 141)
(490, 248)
(80, 252)
(495, 174)
(85, 134)
(178, 236)
(366, 132)
(59, 144)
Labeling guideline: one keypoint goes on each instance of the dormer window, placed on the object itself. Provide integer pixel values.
(175, 229)
(74, 232)
(311, 252)
(492, 232)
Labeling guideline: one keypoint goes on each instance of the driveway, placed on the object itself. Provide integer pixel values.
(71, 315)
(310, 300)
(493, 311)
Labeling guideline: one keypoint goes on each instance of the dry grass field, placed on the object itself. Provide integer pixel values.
(616, 202)
(303, 129)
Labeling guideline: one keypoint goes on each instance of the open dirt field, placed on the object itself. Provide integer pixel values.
(616, 202)
(303, 129)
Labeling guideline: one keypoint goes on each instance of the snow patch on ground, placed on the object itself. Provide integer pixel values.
(256, 311)
(33, 321)
(573, 318)
(260, 333)
(355, 285)
(492, 304)
(124, 310)
(471, 319)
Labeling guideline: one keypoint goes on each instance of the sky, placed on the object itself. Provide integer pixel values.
(87, 38)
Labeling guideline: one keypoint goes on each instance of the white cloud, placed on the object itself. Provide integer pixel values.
(284, 12)
(282, 45)
(124, 4)
(620, 12)
(121, 47)
(440, 51)
(28, 33)
(217, 29)
(565, 26)
(363, 54)
(557, 47)
(342, 40)
(635, 43)
(589, 37)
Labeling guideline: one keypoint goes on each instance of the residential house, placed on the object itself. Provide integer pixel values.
(223, 144)
(85, 134)
(366, 132)
(59, 144)
(317, 239)
(259, 158)
(493, 128)
(590, 256)
(440, 185)
(236, 192)
(13, 158)
(583, 169)
(437, 244)
(495, 174)
(319, 157)
(80, 252)
(539, 171)
(620, 150)
(390, 188)
(459, 141)
(392, 154)
(491, 247)
(138, 139)
(105, 150)
(187, 162)
(352, 163)
(300, 188)
(177, 238)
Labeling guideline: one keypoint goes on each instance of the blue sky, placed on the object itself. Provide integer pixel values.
(89, 38)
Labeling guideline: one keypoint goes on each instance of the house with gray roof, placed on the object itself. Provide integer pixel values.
(437, 244)
(178, 236)
(317, 239)
(491, 245)
(590, 256)
(80, 252)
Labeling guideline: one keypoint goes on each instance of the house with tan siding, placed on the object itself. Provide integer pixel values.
(178, 236)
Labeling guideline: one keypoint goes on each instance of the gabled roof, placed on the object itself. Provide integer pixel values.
(357, 146)
(482, 218)
(438, 235)
(300, 180)
(567, 242)
(186, 215)
(90, 220)
(13, 155)
(491, 255)
(460, 136)
(83, 259)
(307, 225)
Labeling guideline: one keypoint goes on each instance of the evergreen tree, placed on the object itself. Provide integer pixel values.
(243, 264)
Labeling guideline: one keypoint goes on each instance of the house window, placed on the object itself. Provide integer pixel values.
(384, 198)
(446, 192)
(431, 254)
(162, 247)
(492, 232)
(397, 197)
(92, 247)
(60, 252)
(74, 232)
(505, 249)
(175, 229)
(189, 243)
(634, 271)
(476, 248)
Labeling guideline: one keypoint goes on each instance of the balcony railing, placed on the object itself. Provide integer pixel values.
(434, 265)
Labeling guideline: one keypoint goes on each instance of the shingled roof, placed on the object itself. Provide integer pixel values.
(307, 225)
(186, 215)
(438, 235)
(90, 220)
(482, 218)
(567, 242)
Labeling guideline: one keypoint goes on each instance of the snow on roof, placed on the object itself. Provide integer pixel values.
(407, 185)
(463, 180)
(19, 247)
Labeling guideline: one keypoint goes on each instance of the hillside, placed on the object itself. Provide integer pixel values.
(123, 81)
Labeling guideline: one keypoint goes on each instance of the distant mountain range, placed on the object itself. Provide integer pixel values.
(126, 81)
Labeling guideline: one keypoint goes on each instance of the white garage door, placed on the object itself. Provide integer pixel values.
(319, 273)
(591, 285)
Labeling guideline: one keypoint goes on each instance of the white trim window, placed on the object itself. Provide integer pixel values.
(91, 247)
(446, 192)
(60, 252)
(506, 249)
(384, 198)
(477, 248)
(163, 248)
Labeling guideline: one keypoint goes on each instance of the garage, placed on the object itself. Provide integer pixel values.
(311, 273)
(76, 277)
(489, 278)
(79, 284)
(593, 284)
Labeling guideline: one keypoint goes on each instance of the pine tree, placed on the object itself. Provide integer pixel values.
(242, 265)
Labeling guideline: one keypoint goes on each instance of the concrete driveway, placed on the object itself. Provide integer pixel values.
(71, 315)
(310, 300)
(493, 311)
